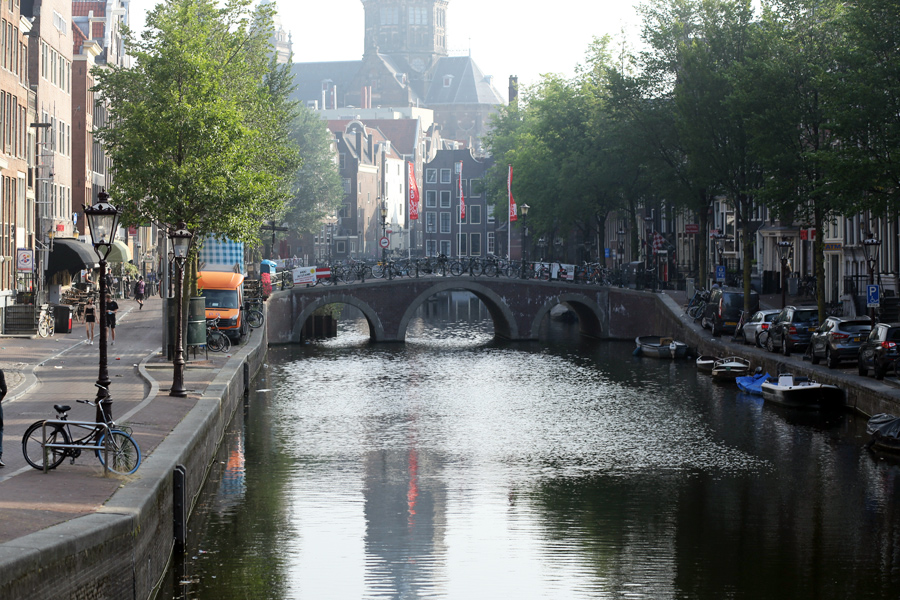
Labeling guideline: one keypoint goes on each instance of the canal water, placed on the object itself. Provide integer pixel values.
(455, 466)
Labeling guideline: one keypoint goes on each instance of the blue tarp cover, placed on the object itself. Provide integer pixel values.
(886, 425)
(752, 384)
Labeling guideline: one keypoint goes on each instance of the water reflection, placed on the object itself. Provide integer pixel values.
(455, 466)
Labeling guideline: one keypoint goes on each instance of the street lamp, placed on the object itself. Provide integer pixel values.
(870, 249)
(524, 208)
(784, 251)
(542, 244)
(103, 220)
(181, 245)
(384, 214)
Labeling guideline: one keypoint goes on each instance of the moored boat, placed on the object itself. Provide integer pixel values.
(800, 392)
(706, 363)
(660, 347)
(752, 384)
(728, 369)
(885, 432)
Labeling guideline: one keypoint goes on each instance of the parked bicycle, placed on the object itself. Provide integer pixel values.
(113, 445)
(253, 313)
(46, 322)
(216, 340)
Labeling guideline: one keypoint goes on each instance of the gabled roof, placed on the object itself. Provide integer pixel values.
(458, 80)
(402, 133)
(308, 78)
(83, 8)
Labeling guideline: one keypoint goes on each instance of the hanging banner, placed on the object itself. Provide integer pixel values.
(513, 211)
(462, 200)
(413, 193)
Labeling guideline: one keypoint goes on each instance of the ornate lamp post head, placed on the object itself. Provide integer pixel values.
(103, 220)
(524, 208)
(181, 245)
(871, 245)
(181, 242)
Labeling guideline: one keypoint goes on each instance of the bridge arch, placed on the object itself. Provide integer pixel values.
(375, 325)
(505, 324)
(591, 316)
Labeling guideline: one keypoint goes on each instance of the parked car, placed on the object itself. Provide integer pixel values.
(881, 350)
(792, 329)
(758, 323)
(723, 310)
(839, 338)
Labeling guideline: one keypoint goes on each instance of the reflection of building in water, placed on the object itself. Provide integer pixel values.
(405, 510)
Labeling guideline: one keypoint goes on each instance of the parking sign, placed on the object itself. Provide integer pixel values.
(873, 296)
(720, 272)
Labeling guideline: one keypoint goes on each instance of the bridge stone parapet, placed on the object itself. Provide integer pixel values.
(517, 307)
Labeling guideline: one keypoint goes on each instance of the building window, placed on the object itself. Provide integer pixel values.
(445, 247)
(342, 160)
(430, 175)
(473, 213)
(490, 243)
(340, 247)
(430, 247)
(430, 198)
(430, 222)
(476, 187)
(462, 238)
(475, 244)
(490, 213)
(445, 175)
(445, 222)
(445, 198)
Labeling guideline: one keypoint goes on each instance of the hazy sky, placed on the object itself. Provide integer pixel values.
(505, 37)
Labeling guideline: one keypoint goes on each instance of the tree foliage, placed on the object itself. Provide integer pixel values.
(199, 127)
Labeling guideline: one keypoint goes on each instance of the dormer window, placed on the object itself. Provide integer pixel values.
(448, 80)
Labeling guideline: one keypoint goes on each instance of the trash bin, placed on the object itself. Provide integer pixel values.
(793, 285)
(62, 318)
(689, 287)
(196, 327)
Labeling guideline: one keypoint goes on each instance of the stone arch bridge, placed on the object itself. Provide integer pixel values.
(517, 307)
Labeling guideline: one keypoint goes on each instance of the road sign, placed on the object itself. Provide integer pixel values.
(873, 296)
(720, 272)
(384, 242)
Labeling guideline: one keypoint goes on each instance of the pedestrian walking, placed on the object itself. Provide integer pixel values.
(139, 291)
(112, 307)
(90, 317)
(2, 395)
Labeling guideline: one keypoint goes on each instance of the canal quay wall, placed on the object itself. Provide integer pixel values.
(865, 395)
(123, 550)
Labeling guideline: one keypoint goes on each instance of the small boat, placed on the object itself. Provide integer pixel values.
(728, 369)
(752, 384)
(660, 347)
(706, 363)
(885, 432)
(800, 392)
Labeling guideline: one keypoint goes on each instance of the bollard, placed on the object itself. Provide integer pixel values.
(179, 505)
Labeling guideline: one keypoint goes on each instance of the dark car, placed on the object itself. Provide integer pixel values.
(792, 328)
(723, 310)
(839, 338)
(881, 350)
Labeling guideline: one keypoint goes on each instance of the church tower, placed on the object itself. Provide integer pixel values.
(281, 41)
(412, 30)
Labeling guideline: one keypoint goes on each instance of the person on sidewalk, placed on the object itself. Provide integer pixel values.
(2, 395)
(139, 291)
(112, 307)
(90, 317)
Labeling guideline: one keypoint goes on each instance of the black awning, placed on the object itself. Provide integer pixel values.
(69, 254)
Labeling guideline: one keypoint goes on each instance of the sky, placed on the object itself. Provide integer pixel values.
(526, 39)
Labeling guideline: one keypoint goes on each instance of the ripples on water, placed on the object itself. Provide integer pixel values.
(457, 467)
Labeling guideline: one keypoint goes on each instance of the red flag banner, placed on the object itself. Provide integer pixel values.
(413, 193)
(513, 211)
(462, 200)
(659, 242)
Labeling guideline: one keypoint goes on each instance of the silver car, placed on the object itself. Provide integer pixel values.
(757, 324)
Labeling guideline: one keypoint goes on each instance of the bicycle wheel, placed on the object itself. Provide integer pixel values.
(378, 271)
(254, 318)
(32, 445)
(43, 328)
(124, 454)
(456, 269)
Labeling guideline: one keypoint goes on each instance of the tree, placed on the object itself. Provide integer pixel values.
(199, 127)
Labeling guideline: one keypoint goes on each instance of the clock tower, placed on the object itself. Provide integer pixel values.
(412, 30)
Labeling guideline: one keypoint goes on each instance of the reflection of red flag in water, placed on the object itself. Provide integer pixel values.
(513, 212)
(462, 200)
(413, 193)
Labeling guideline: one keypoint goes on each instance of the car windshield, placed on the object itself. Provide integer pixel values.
(806, 316)
(220, 298)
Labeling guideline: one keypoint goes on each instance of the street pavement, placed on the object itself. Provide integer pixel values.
(41, 372)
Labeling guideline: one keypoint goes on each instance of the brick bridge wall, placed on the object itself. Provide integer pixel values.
(517, 307)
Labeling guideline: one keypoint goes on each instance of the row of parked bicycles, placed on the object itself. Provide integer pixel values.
(350, 271)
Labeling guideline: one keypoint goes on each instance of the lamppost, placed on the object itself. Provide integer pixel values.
(870, 249)
(384, 214)
(784, 251)
(103, 220)
(559, 243)
(524, 208)
(620, 240)
(181, 244)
